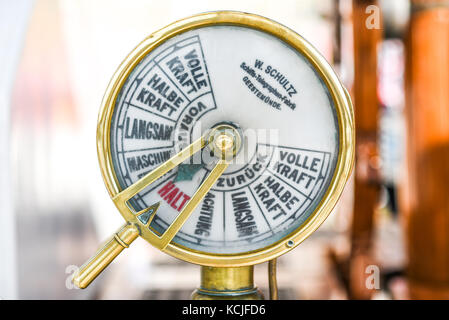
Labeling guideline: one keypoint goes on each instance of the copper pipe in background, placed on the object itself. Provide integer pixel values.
(424, 196)
(366, 174)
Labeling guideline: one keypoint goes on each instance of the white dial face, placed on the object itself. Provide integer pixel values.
(261, 85)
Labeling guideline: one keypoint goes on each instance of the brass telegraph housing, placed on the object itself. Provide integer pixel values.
(225, 276)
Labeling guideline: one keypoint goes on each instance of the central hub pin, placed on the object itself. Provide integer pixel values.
(224, 141)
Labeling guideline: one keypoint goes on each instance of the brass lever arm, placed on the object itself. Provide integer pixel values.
(129, 232)
(104, 256)
(152, 176)
(171, 231)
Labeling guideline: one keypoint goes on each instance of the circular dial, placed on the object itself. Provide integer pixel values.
(261, 85)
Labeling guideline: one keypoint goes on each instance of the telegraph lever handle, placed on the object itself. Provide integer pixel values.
(105, 255)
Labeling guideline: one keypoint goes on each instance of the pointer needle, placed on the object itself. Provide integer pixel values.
(171, 231)
(152, 176)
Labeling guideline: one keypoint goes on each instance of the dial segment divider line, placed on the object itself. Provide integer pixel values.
(148, 149)
(224, 217)
(285, 147)
(149, 111)
(156, 64)
(158, 184)
(250, 183)
(204, 177)
(191, 205)
(261, 211)
(171, 80)
(175, 46)
(138, 80)
(276, 175)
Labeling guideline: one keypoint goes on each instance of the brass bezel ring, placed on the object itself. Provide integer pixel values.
(342, 103)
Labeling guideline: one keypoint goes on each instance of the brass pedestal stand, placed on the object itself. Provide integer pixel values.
(235, 283)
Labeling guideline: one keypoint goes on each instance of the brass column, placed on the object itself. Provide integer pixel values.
(366, 184)
(221, 283)
(424, 193)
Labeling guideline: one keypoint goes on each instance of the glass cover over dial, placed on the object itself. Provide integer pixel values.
(254, 82)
